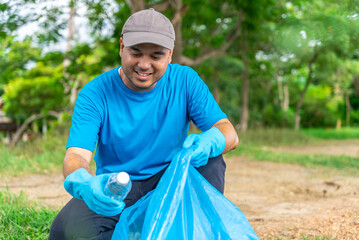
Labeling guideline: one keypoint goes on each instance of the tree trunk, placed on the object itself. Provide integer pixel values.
(280, 90)
(302, 94)
(283, 94)
(245, 90)
(71, 30)
(71, 25)
(74, 91)
(177, 25)
(300, 101)
(339, 124)
(356, 85)
(177, 52)
(24, 126)
(69, 84)
(44, 128)
(286, 98)
(136, 5)
(348, 109)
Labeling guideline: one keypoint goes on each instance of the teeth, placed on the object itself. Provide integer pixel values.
(143, 74)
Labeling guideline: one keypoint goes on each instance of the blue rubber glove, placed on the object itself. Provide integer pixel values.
(82, 185)
(210, 143)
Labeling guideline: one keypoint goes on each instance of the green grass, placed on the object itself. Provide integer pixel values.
(343, 133)
(23, 219)
(46, 155)
(36, 156)
(346, 163)
(255, 144)
(275, 137)
(21, 164)
(40, 155)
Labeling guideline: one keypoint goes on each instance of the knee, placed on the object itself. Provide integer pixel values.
(77, 221)
(74, 221)
(57, 229)
(214, 172)
(65, 227)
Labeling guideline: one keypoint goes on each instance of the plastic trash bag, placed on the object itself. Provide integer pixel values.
(183, 206)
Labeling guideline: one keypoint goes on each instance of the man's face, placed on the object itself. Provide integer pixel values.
(143, 65)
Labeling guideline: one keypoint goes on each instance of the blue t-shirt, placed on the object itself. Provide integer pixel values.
(139, 132)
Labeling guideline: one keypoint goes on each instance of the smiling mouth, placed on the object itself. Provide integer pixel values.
(143, 74)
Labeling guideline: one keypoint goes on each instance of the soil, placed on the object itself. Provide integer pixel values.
(280, 200)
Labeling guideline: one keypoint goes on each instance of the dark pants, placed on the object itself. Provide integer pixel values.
(77, 221)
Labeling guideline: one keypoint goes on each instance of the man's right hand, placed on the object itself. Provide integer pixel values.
(82, 185)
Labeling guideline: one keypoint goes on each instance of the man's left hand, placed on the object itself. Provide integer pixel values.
(210, 143)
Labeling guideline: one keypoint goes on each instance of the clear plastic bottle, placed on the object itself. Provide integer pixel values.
(118, 186)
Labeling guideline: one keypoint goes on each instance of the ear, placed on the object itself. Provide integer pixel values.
(170, 56)
(122, 46)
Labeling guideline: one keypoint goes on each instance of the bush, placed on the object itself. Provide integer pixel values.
(275, 117)
(320, 109)
(34, 93)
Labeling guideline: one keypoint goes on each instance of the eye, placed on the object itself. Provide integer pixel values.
(155, 57)
(136, 54)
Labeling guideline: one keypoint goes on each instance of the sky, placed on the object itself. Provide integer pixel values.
(80, 21)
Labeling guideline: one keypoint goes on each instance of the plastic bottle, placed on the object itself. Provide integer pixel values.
(118, 186)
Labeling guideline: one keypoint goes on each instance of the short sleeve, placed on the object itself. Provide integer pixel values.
(202, 107)
(86, 119)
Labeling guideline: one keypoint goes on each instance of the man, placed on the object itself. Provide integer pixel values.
(137, 116)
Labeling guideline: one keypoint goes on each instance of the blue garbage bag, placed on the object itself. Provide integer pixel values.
(183, 206)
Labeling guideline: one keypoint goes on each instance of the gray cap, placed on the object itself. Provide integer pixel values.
(148, 26)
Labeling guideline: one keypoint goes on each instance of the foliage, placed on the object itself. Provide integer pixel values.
(202, 20)
(354, 118)
(318, 36)
(280, 44)
(39, 91)
(273, 116)
(14, 57)
(10, 19)
(320, 108)
(23, 219)
(221, 76)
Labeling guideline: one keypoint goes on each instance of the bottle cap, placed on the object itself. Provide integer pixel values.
(123, 178)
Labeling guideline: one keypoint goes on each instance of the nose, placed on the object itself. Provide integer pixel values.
(144, 63)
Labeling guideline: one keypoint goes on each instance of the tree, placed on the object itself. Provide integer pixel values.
(311, 31)
(257, 23)
(36, 95)
(263, 60)
(222, 77)
(15, 57)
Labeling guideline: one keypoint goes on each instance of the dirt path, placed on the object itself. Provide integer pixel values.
(280, 200)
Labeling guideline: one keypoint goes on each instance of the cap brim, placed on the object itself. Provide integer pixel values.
(134, 38)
